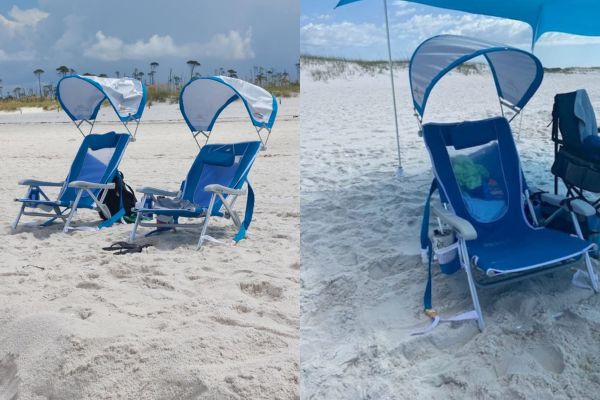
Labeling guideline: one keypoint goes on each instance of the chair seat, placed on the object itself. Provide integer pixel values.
(532, 249)
(186, 213)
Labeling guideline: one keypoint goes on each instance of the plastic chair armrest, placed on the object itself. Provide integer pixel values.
(460, 225)
(223, 189)
(90, 185)
(34, 182)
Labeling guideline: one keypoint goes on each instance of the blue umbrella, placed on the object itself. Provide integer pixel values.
(400, 171)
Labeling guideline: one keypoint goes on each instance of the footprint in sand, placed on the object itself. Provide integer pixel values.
(9, 380)
(88, 285)
(550, 357)
(154, 283)
(261, 289)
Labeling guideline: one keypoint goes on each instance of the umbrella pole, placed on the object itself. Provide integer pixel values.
(400, 171)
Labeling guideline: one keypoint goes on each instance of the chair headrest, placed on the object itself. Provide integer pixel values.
(471, 134)
(223, 156)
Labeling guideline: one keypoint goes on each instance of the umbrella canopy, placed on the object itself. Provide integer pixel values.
(82, 96)
(517, 73)
(203, 99)
(579, 17)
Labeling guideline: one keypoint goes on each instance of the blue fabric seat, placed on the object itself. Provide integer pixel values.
(490, 146)
(96, 164)
(227, 165)
(479, 176)
(532, 249)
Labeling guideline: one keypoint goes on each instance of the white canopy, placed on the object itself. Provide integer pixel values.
(202, 100)
(517, 73)
(82, 96)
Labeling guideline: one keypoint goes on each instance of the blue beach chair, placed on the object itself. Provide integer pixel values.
(96, 163)
(89, 178)
(496, 235)
(478, 174)
(213, 184)
(219, 174)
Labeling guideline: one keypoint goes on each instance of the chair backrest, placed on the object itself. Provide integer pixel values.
(96, 161)
(477, 168)
(223, 164)
(573, 115)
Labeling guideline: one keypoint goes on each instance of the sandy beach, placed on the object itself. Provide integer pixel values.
(362, 279)
(77, 322)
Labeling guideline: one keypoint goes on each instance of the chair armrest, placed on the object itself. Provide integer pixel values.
(159, 192)
(578, 206)
(223, 189)
(90, 185)
(460, 225)
(34, 182)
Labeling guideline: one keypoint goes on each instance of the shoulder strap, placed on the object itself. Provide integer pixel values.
(426, 246)
(247, 215)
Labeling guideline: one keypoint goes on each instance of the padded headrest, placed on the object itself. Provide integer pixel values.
(471, 134)
(223, 156)
(97, 141)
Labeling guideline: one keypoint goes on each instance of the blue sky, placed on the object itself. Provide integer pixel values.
(119, 35)
(358, 31)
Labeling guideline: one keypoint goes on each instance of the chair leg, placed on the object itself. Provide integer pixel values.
(591, 273)
(73, 209)
(472, 288)
(135, 226)
(14, 225)
(206, 220)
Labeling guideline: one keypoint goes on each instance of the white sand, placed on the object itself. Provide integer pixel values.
(77, 322)
(362, 280)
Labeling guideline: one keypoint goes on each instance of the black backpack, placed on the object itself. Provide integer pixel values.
(122, 196)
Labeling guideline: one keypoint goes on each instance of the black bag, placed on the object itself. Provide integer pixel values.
(122, 196)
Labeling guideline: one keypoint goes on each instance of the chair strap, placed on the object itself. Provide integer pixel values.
(121, 213)
(426, 245)
(247, 215)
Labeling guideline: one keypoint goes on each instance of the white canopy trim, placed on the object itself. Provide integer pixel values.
(203, 99)
(82, 96)
(517, 73)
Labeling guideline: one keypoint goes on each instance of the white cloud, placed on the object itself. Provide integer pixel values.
(562, 39)
(23, 55)
(232, 46)
(422, 26)
(22, 19)
(406, 35)
(320, 35)
(403, 8)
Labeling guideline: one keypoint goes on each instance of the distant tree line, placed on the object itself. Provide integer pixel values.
(259, 75)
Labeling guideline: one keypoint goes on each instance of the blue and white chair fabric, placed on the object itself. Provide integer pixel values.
(478, 173)
(96, 163)
(219, 174)
(497, 236)
(216, 179)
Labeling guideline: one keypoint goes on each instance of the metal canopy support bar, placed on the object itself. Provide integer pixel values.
(205, 134)
(264, 142)
(78, 125)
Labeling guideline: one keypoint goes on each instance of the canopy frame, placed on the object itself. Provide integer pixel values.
(237, 95)
(78, 122)
(505, 105)
(206, 134)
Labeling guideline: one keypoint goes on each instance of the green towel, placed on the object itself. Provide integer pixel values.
(468, 174)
